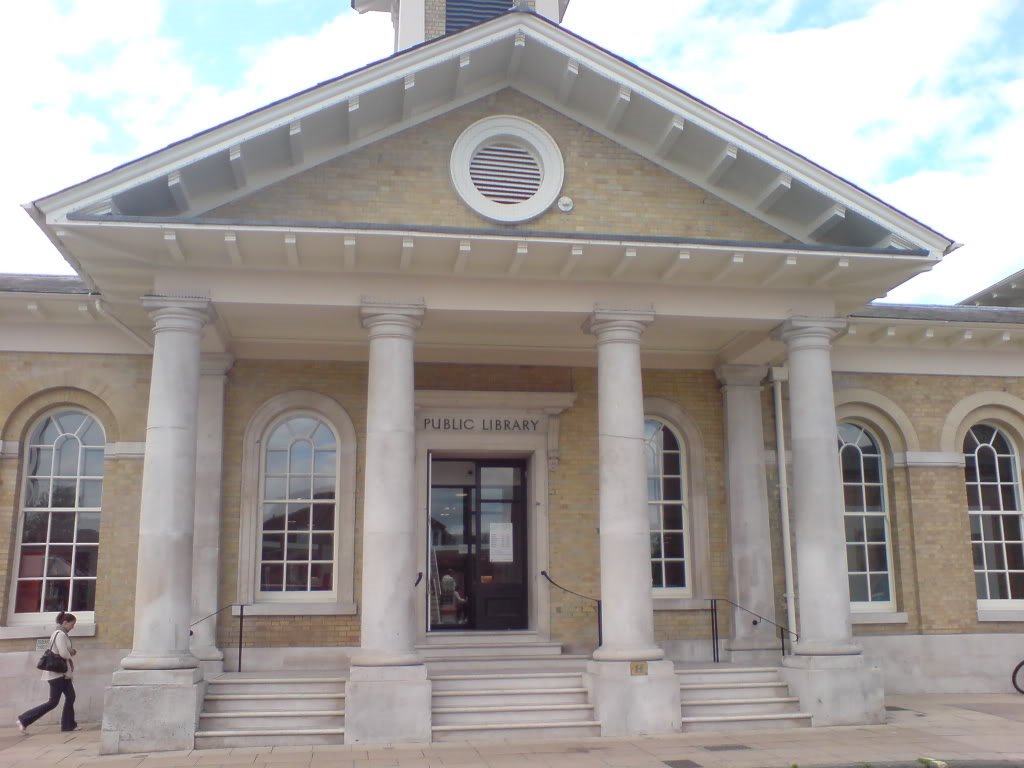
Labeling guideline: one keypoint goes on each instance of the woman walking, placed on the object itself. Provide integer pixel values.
(60, 682)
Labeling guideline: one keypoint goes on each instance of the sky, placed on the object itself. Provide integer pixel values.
(920, 102)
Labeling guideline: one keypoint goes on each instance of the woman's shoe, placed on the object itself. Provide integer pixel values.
(69, 730)
(20, 726)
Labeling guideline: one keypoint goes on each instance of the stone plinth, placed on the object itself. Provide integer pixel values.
(388, 705)
(634, 698)
(837, 689)
(151, 710)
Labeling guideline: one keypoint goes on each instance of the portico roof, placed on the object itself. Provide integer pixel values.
(147, 224)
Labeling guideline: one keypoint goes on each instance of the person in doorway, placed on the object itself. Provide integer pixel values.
(60, 683)
(453, 603)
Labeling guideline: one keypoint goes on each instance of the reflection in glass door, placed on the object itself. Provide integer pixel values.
(477, 545)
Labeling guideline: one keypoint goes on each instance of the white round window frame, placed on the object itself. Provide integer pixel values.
(530, 135)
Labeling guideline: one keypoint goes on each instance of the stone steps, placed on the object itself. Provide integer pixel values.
(737, 698)
(296, 710)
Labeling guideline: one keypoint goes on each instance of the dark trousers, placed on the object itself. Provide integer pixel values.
(58, 686)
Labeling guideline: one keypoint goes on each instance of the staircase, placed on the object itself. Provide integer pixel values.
(502, 685)
(250, 710)
(737, 698)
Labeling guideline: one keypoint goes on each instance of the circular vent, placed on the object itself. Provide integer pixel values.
(507, 169)
(505, 173)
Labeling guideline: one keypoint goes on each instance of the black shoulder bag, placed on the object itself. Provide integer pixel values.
(52, 662)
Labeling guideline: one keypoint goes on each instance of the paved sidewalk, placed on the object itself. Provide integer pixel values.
(960, 729)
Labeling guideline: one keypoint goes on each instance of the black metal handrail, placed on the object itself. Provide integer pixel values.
(783, 630)
(241, 625)
(600, 634)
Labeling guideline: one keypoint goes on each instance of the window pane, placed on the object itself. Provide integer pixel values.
(973, 498)
(994, 559)
(272, 578)
(877, 560)
(657, 579)
(990, 498)
(321, 577)
(323, 437)
(28, 597)
(37, 493)
(83, 595)
(1016, 586)
(856, 560)
(323, 547)
(39, 461)
(62, 526)
(970, 470)
(89, 492)
(66, 456)
(851, 465)
(92, 434)
(654, 489)
(654, 516)
(298, 546)
(34, 527)
(978, 552)
(986, 464)
(656, 546)
(85, 561)
(673, 488)
(88, 527)
(675, 573)
(277, 462)
(298, 577)
(298, 517)
(673, 517)
(853, 497)
(64, 493)
(58, 561)
(273, 547)
(981, 585)
(1011, 527)
(323, 487)
(273, 488)
(31, 562)
(872, 470)
(93, 465)
(998, 589)
(323, 517)
(672, 463)
(875, 528)
(300, 488)
(1015, 557)
(673, 545)
(1009, 497)
(854, 528)
(873, 498)
(56, 593)
(301, 458)
(879, 588)
(858, 588)
(325, 463)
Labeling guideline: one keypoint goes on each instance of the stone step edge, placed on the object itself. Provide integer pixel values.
(517, 726)
(512, 708)
(507, 691)
(722, 670)
(275, 732)
(271, 696)
(508, 658)
(744, 718)
(286, 713)
(713, 702)
(724, 685)
(508, 676)
(275, 680)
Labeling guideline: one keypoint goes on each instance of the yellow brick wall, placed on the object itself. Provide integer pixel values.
(115, 388)
(436, 10)
(392, 180)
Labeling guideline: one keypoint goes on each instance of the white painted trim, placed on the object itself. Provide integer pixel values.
(928, 459)
(980, 406)
(848, 400)
(9, 449)
(878, 617)
(551, 403)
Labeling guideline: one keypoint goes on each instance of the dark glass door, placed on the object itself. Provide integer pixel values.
(478, 545)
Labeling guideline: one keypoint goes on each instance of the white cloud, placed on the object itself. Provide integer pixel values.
(869, 98)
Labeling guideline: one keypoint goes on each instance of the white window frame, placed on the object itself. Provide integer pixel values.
(996, 605)
(872, 606)
(682, 501)
(341, 599)
(31, 621)
(698, 590)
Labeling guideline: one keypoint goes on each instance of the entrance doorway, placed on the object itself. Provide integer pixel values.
(477, 555)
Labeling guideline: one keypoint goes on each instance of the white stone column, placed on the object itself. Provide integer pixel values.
(206, 540)
(388, 694)
(752, 584)
(817, 502)
(826, 670)
(153, 702)
(633, 689)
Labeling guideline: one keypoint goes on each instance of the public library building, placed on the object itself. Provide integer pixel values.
(377, 389)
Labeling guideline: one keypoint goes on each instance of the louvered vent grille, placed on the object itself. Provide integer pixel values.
(505, 173)
(460, 14)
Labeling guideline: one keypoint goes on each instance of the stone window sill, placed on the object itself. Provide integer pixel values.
(1000, 615)
(298, 609)
(22, 631)
(893, 617)
(680, 603)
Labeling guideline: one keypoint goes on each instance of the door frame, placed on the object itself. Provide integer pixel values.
(538, 448)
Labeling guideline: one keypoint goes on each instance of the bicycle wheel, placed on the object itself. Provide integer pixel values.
(1018, 677)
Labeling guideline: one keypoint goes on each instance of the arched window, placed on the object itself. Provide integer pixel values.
(59, 525)
(667, 507)
(298, 506)
(297, 527)
(992, 476)
(866, 518)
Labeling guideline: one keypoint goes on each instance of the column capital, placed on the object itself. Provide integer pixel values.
(176, 313)
(741, 376)
(811, 329)
(618, 324)
(384, 319)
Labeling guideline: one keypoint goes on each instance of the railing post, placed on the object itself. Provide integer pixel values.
(782, 642)
(600, 625)
(714, 630)
(241, 625)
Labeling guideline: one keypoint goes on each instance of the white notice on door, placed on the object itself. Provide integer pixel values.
(501, 542)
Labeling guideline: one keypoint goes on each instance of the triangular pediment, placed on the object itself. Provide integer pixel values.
(567, 74)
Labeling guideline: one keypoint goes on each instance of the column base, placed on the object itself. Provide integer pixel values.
(837, 689)
(151, 710)
(634, 698)
(211, 660)
(387, 705)
(143, 661)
